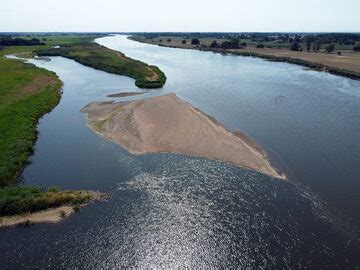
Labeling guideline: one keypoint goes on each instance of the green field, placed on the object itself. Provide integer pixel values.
(20, 108)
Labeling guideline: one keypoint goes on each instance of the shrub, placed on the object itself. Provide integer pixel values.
(53, 189)
(214, 44)
(26, 223)
(330, 48)
(243, 44)
(260, 46)
(295, 47)
(168, 40)
(357, 48)
(62, 214)
(195, 41)
(231, 44)
(183, 41)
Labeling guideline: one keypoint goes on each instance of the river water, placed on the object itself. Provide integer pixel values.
(170, 210)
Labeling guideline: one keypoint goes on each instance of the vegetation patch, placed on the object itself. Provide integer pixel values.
(26, 93)
(23, 200)
(100, 57)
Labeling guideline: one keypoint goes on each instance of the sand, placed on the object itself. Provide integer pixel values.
(169, 124)
(52, 215)
(126, 94)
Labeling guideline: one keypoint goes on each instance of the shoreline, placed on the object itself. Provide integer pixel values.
(269, 57)
(167, 124)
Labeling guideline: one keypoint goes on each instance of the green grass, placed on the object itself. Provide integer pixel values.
(21, 200)
(19, 113)
(99, 57)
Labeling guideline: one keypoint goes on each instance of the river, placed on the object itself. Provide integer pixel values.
(170, 210)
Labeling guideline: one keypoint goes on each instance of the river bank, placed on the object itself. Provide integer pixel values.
(347, 64)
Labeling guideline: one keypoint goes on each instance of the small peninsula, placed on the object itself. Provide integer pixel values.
(91, 54)
(24, 205)
(169, 124)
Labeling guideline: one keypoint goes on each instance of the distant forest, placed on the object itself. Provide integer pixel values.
(9, 41)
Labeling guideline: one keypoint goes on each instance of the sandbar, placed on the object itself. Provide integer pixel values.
(168, 124)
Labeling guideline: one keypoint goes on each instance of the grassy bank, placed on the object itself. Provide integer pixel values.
(26, 93)
(22, 200)
(99, 57)
(346, 64)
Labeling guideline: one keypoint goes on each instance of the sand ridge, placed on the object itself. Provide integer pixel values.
(169, 124)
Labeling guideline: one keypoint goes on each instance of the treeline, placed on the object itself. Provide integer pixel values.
(294, 41)
(8, 41)
(341, 38)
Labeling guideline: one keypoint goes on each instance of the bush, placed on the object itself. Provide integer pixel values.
(260, 46)
(243, 44)
(357, 48)
(195, 41)
(62, 214)
(53, 189)
(231, 44)
(330, 48)
(214, 44)
(183, 41)
(168, 40)
(295, 47)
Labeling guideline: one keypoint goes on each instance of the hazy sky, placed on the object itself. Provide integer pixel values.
(182, 15)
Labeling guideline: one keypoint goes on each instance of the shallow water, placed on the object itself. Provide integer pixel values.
(170, 210)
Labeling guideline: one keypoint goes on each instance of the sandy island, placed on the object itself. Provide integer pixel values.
(169, 124)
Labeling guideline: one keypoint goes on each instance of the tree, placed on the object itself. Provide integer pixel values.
(195, 41)
(295, 47)
(330, 48)
(183, 41)
(235, 43)
(260, 46)
(357, 48)
(231, 44)
(214, 44)
(243, 44)
(308, 46)
(168, 40)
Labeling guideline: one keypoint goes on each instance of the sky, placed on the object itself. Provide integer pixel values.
(180, 16)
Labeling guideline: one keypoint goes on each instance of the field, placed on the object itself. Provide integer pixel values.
(26, 93)
(343, 61)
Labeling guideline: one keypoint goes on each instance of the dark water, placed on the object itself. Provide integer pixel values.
(174, 211)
